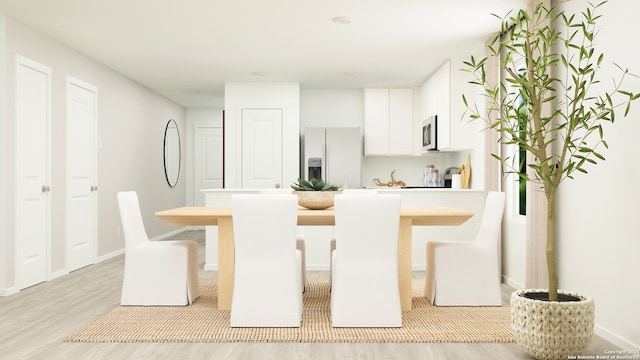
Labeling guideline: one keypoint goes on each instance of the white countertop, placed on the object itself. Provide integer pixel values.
(379, 188)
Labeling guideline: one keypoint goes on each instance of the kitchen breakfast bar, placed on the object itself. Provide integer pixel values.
(222, 217)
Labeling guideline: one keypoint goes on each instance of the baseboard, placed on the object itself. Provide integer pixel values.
(57, 274)
(617, 340)
(317, 267)
(9, 291)
(109, 255)
(170, 234)
(210, 267)
(512, 283)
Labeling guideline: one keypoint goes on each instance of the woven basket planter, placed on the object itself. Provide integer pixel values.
(552, 330)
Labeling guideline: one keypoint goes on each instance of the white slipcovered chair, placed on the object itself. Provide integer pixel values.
(365, 262)
(467, 273)
(300, 243)
(267, 290)
(332, 244)
(155, 272)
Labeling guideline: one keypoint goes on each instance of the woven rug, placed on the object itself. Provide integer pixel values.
(203, 322)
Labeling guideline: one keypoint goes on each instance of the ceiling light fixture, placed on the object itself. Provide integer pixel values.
(259, 73)
(341, 20)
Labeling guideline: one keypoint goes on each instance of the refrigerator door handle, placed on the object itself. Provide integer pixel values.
(325, 174)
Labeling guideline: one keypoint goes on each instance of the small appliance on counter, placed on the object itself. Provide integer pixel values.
(447, 176)
(430, 134)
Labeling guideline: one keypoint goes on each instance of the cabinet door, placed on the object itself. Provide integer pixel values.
(376, 121)
(400, 121)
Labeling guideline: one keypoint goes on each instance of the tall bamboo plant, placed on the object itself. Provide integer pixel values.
(552, 103)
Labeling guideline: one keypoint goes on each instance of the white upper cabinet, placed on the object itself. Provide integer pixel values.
(388, 121)
(441, 95)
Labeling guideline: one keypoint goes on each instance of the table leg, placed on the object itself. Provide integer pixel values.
(226, 262)
(404, 263)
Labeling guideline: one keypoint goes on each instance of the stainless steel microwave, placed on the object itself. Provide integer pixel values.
(430, 133)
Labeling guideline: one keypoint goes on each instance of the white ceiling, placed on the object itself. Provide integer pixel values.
(187, 49)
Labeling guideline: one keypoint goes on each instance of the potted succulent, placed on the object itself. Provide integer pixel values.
(315, 194)
(552, 106)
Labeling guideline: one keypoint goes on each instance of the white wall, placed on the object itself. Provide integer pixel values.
(131, 123)
(598, 242)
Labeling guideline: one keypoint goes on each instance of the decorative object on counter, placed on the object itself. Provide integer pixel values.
(425, 174)
(315, 194)
(434, 179)
(549, 109)
(465, 171)
(391, 183)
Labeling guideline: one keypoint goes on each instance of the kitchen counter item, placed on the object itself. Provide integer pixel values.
(447, 176)
(466, 173)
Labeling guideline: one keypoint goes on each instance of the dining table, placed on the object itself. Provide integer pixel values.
(222, 217)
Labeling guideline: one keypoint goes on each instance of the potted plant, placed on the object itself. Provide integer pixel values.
(552, 106)
(315, 194)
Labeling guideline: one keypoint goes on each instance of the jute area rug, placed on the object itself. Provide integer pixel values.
(202, 322)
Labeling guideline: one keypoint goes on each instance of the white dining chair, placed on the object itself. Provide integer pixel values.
(300, 242)
(467, 273)
(365, 289)
(332, 243)
(267, 290)
(155, 272)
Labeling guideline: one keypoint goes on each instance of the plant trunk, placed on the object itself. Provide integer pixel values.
(551, 240)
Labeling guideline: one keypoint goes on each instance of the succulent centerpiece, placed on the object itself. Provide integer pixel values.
(315, 194)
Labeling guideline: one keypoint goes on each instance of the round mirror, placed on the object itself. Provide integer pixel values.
(171, 153)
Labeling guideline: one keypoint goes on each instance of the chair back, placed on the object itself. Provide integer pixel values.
(491, 225)
(367, 228)
(264, 227)
(131, 218)
(267, 287)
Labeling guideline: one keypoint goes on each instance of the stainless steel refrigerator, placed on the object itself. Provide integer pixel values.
(334, 155)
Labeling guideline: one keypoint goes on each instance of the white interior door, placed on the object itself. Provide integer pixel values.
(81, 173)
(207, 159)
(33, 114)
(261, 148)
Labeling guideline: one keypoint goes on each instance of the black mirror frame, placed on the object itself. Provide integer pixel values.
(166, 173)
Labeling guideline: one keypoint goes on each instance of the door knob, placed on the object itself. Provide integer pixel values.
(46, 188)
(94, 187)
(277, 185)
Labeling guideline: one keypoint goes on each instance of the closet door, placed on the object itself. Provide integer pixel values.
(207, 160)
(33, 209)
(82, 186)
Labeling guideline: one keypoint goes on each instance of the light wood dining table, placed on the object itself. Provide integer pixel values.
(222, 217)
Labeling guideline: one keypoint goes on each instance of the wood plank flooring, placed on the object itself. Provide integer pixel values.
(34, 323)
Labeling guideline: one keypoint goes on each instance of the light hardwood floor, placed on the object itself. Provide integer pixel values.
(34, 323)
